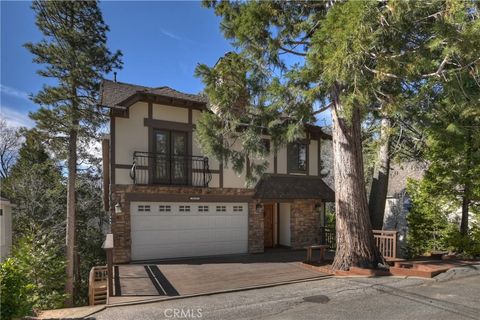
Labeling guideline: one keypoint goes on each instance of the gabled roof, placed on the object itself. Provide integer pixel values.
(276, 186)
(113, 94)
(120, 95)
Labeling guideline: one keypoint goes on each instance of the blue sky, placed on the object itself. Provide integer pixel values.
(162, 42)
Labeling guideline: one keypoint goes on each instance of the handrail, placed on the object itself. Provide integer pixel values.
(385, 240)
(170, 169)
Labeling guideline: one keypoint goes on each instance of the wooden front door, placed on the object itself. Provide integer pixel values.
(268, 225)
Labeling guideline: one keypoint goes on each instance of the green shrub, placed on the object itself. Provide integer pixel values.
(14, 291)
(34, 277)
(41, 260)
(429, 228)
(427, 221)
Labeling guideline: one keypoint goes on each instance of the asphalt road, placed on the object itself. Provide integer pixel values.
(454, 295)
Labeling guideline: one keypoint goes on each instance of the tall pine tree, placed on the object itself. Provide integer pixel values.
(74, 53)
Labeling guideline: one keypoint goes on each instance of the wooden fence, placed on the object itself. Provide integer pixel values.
(385, 240)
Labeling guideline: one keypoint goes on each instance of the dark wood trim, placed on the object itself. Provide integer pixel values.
(164, 100)
(168, 125)
(186, 197)
(190, 116)
(190, 152)
(247, 163)
(319, 160)
(106, 173)
(277, 213)
(211, 171)
(275, 162)
(112, 150)
(150, 110)
(220, 166)
(308, 158)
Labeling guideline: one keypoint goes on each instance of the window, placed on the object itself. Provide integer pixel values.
(164, 208)
(297, 157)
(266, 145)
(237, 208)
(184, 208)
(221, 208)
(143, 208)
(202, 208)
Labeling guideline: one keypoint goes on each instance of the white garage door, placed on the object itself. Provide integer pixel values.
(169, 230)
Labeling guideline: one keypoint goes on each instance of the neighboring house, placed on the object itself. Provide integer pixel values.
(5, 228)
(168, 200)
(398, 202)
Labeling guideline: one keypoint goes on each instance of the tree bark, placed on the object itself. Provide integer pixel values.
(465, 207)
(71, 217)
(355, 242)
(379, 189)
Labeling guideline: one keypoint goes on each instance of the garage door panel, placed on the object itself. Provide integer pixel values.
(169, 230)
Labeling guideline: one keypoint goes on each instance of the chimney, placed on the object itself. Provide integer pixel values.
(115, 76)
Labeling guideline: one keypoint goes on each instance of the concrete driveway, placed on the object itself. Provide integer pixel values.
(444, 298)
(163, 279)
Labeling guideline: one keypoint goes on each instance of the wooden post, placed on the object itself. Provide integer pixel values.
(108, 247)
(106, 173)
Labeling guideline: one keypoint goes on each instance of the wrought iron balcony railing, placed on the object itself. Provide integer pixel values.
(150, 168)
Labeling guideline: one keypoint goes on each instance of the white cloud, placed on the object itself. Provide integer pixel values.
(9, 91)
(15, 118)
(176, 36)
(170, 34)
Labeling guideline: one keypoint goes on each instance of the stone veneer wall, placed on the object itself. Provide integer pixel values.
(304, 223)
(255, 229)
(121, 227)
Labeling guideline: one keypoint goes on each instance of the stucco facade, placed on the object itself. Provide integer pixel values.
(5, 228)
(292, 222)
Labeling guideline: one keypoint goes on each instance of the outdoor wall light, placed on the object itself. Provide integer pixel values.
(259, 208)
(118, 208)
(318, 207)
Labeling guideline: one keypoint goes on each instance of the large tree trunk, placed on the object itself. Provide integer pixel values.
(379, 189)
(355, 242)
(465, 209)
(71, 217)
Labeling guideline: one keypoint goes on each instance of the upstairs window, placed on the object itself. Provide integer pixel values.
(297, 157)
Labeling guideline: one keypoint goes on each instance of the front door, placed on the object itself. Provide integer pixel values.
(170, 160)
(268, 225)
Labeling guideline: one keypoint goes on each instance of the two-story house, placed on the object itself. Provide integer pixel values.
(168, 200)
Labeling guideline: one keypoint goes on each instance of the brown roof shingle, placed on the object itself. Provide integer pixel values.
(114, 93)
(293, 187)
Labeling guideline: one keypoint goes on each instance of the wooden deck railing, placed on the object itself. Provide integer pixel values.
(97, 285)
(385, 240)
(100, 281)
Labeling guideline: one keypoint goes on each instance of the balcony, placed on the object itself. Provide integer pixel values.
(168, 169)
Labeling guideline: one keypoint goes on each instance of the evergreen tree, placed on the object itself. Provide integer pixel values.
(37, 188)
(354, 57)
(75, 54)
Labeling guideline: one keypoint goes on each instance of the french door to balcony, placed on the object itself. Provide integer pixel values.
(170, 161)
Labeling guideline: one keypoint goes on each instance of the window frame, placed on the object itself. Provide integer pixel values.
(291, 166)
